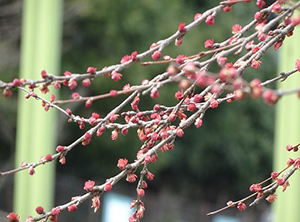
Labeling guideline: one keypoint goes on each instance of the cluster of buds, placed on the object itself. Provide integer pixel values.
(199, 91)
(268, 192)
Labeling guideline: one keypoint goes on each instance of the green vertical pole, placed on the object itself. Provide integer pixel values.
(40, 49)
(287, 131)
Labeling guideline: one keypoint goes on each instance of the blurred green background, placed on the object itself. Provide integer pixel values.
(207, 167)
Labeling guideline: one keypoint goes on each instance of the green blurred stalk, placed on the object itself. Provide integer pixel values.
(40, 49)
(287, 131)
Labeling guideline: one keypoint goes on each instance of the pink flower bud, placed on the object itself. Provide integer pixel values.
(33, 94)
(60, 148)
(271, 198)
(190, 69)
(108, 187)
(31, 170)
(124, 131)
(53, 218)
(181, 27)
(86, 139)
(149, 176)
(227, 8)
(122, 163)
(274, 175)
(178, 41)
(91, 70)
(255, 64)
(296, 20)
(72, 84)
(236, 28)
(44, 74)
(144, 185)
(55, 211)
(154, 93)
(23, 164)
(191, 107)
(290, 162)
(93, 119)
(147, 159)
(155, 136)
(86, 82)
(100, 130)
(214, 103)
(198, 122)
(113, 93)
(140, 192)
(276, 8)
(113, 117)
(88, 186)
(156, 107)
(260, 3)
(230, 203)
(180, 59)
(297, 65)
(17, 82)
(258, 15)
(287, 21)
(197, 98)
(280, 181)
(209, 43)
(232, 40)
(134, 56)
(67, 73)
(153, 45)
(69, 111)
(270, 97)
(62, 159)
(156, 55)
(277, 45)
(75, 95)
(131, 177)
(255, 49)
(255, 188)
(116, 76)
(135, 102)
(153, 158)
(88, 103)
(12, 217)
(125, 59)
(197, 16)
(178, 95)
(145, 82)
(114, 134)
(172, 117)
(262, 36)
(47, 107)
(226, 74)
(133, 204)
(289, 147)
(210, 20)
(72, 208)
(126, 87)
(241, 206)
(179, 132)
(39, 210)
(7, 92)
(48, 157)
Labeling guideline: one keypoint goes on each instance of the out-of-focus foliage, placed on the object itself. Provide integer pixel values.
(10, 19)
